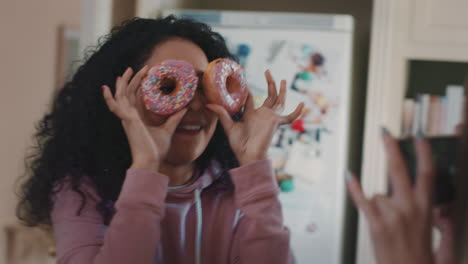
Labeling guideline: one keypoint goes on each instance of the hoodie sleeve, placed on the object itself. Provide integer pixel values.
(260, 236)
(133, 234)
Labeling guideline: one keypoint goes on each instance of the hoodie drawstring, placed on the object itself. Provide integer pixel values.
(198, 242)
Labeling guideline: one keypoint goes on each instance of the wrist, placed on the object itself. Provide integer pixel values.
(145, 165)
(131, 122)
(246, 160)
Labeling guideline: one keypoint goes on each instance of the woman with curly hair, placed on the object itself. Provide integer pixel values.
(120, 184)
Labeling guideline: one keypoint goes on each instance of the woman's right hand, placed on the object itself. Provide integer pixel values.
(147, 151)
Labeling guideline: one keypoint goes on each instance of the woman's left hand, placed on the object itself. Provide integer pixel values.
(401, 224)
(251, 137)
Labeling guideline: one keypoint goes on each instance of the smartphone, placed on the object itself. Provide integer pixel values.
(444, 154)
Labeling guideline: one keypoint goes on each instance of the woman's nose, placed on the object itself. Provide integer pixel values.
(199, 100)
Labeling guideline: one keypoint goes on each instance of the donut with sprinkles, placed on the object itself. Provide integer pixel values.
(225, 84)
(169, 86)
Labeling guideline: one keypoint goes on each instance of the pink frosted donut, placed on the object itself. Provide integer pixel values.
(225, 84)
(178, 74)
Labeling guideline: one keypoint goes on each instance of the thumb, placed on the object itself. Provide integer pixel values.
(173, 121)
(223, 115)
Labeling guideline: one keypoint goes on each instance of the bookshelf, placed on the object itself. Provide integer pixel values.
(434, 98)
(417, 46)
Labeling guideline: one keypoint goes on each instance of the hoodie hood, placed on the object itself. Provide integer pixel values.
(200, 181)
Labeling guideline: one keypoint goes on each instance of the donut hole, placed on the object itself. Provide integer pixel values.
(168, 85)
(232, 84)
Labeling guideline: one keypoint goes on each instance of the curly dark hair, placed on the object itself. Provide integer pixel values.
(79, 137)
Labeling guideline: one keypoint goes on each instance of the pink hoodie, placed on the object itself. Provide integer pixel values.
(197, 223)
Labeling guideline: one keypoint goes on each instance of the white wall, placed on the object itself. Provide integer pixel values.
(96, 21)
(27, 78)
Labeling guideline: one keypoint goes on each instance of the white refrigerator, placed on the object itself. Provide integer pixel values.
(312, 52)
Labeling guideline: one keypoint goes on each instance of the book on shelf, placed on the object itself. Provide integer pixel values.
(425, 100)
(455, 98)
(434, 115)
(443, 114)
(408, 117)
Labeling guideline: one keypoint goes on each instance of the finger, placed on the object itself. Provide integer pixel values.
(382, 204)
(249, 103)
(127, 75)
(223, 116)
(398, 172)
(135, 83)
(173, 121)
(272, 93)
(284, 120)
(111, 104)
(279, 106)
(358, 197)
(122, 83)
(387, 211)
(425, 171)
